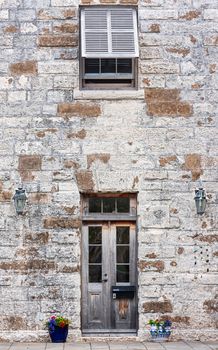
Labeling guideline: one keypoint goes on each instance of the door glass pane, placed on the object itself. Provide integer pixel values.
(95, 254)
(123, 235)
(108, 205)
(95, 273)
(92, 65)
(108, 65)
(95, 235)
(94, 205)
(124, 65)
(122, 254)
(122, 273)
(123, 205)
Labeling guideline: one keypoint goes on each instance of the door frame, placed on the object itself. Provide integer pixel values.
(100, 220)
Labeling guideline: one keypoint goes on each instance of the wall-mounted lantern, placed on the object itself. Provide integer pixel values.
(200, 200)
(20, 198)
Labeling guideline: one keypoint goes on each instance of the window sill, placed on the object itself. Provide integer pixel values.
(108, 94)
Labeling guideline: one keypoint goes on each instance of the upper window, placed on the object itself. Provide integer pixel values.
(109, 47)
(113, 206)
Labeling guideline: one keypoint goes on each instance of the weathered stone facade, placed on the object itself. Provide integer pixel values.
(59, 141)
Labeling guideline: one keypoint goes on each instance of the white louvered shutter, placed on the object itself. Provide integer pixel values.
(109, 32)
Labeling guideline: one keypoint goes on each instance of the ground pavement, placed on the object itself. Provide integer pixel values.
(181, 345)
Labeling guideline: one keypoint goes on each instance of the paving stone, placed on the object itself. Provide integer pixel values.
(176, 346)
(212, 345)
(135, 346)
(100, 346)
(118, 346)
(153, 346)
(77, 346)
(27, 346)
(196, 345)
(5, 346)
(54, 346)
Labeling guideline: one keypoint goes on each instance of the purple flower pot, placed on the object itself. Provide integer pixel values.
(59, 334)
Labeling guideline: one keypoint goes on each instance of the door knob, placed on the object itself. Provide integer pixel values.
(105, 278)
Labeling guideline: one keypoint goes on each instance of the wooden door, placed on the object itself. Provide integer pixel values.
(108, 261)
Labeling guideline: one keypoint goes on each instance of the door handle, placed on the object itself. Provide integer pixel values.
(104, 280)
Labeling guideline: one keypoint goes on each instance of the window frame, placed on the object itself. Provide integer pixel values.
(98, 79)
(99, 216)
(105, 81)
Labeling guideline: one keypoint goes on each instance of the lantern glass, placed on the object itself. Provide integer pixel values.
(20, 200)
(200, 201)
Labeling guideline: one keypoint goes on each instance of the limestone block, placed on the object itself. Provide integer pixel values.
(2, 223)
(4, 14)
(211, 14)
(66, 237)
(28, 28)
(6, 83)
(57, 13)
(57, 96)
(158, 251)
(157, 14)
(36, 3)
(49, 109)
(23, 14)
(156, 216)
(159, 67)
(63, 82)
(70, 68)
(15, 96)
(66, 3)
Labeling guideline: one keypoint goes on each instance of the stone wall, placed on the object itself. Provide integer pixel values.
(59, 141)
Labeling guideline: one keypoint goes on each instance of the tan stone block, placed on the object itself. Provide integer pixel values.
(193, 164)
(66, 28)
(167, 160)
(156, 265)
(154, 28)
(24, 68)
(180, 51)
(190, 15)
(5, 196)
(84, 180)
(30, 162)
(79, 109)
(162, 94)
(101, 1)
(38, 198)
(102, 157)
(61, 222)
(211, 40)
(57, 40)
(25, 265)
(157, 306)
(81, 134)
(11, 29)
(128, 2)
(71, 164)
(182, 109)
